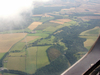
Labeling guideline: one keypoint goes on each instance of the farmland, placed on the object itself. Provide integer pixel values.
(91, 36)
(61, 21)
(29, 38)
(34, 25)
(36, 58)
(8, 40)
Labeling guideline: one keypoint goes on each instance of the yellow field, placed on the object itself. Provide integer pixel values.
(89, 42)
(61, 21)
(43, 15)
(8, 40)
(29, 38)
(34, 25)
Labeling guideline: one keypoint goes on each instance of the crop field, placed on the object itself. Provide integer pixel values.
(36, 58)
(8, 40)
(34, 25)
(29, 38)
(46, 25)
(16, 63)
(61, 21)
(42, 58)
(31, 60)
(43, 15)
(91, 36)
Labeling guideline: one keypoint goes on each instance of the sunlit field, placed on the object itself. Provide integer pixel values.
(8, 40)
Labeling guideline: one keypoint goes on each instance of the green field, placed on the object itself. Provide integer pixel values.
(41, 34)
(94, 31)
(36, 58)
(9, 74)
(47, 41)
(15, 63)
(46, 25)
(18, 46)
(17, 31)
(1, 55)
(44, 19)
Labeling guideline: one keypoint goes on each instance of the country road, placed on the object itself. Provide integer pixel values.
(85, 62)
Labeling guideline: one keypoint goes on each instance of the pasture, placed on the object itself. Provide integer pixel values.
(95, 31)
(36, 58)
(18, 46)
(8, 40)
(47, 41)
(29, 38)
(15, 63)
(46, 25)
(34, 25)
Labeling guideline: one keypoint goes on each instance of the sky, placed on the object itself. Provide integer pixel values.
(10, 8)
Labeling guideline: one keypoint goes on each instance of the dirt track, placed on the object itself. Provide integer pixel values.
(85, 62)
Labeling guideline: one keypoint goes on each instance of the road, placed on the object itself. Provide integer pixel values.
(85, 62)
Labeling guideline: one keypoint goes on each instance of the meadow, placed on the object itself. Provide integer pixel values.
(36, 58)
(15, 63)
(29, 38)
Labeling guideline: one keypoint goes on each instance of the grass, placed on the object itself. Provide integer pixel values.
(15, 63)
(41, 34)
(34, 25)
(94, 31)
(29, 38)
(8, 40)
(42, 58)
(46, 25)
(9, 74)
(1, 55)
(44, 19)
(18, 46)
(47, 41)
(31, 60)
(16, 31)
(17, 54)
